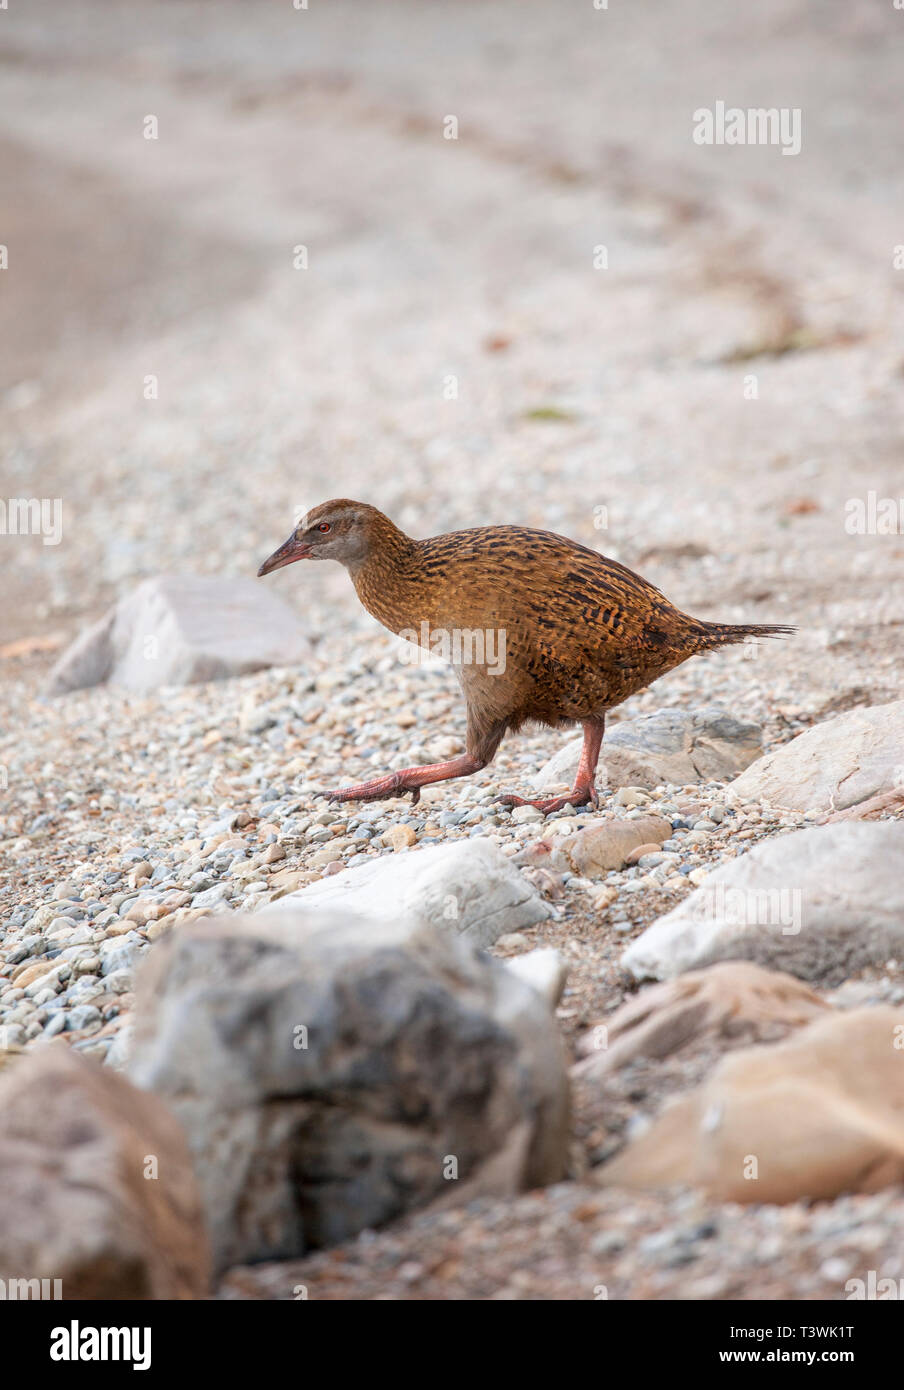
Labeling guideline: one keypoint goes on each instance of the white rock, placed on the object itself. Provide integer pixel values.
(544, 970)
(468, 887)
(820, 903)
(832, 766)
(178, 630)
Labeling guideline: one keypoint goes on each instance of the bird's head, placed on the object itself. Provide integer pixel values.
(338, 530)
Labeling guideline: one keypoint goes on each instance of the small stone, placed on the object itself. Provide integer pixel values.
(513, 941)
(399, 837)
(25, 975)
(86, 965)
(85, 1016)
(143, 911)
(118, 981)
(632, 796)
(640, 852)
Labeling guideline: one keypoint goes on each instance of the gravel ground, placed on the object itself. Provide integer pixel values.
(573, 1242)
(583, 398)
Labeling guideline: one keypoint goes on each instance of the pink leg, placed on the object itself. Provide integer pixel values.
(410, 779)
(583, 792)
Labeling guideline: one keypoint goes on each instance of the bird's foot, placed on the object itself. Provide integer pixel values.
(382, 787)
(409, 779)
(580, 796)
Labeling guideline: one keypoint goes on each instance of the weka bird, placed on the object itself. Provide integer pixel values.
(581, 633)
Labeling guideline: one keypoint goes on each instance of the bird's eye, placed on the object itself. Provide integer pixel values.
(324, 526)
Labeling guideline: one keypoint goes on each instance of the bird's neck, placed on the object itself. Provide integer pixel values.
(389, 580)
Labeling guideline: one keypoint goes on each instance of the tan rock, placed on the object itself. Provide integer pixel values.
(321, 857)
(734, 1000)
(631, 796)
(640, 851)
(607, 844)
(175, 898)
(287, 880)
(246, 869)
(399, 837)
(96, 1184)
(25, 974)
(817, 1115)
(120, 927)
(143, 911)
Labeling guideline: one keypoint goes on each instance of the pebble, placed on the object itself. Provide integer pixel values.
(82, 1017)
(632, 796)
(399, 837)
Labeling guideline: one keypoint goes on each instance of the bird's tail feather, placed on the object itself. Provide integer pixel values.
(724, 634)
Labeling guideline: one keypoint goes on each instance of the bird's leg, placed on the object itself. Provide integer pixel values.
(583, 792)
(410, 779)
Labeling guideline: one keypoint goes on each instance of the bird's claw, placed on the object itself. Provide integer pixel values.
(380, 790)
(585, 797)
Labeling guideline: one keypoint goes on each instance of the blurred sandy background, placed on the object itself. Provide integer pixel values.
(578, 388)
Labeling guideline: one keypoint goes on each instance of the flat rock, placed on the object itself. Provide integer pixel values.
(77, 1199)
(469, 887)
(821, 904)
(600, 847)
(667, 746)
(815, 1116)
(182, 629)
(731, 1002)
(833, 766)
(332, 1073)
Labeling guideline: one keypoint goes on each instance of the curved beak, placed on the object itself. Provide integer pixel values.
(290, 551)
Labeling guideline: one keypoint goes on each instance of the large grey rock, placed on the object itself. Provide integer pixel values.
(667, 746)
(468, 887)
(333, 1073)
(820, 904)
(96, 1184)
(838, 764)
(178, 630)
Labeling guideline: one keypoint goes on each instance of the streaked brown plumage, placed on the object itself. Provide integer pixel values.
(582, 632)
